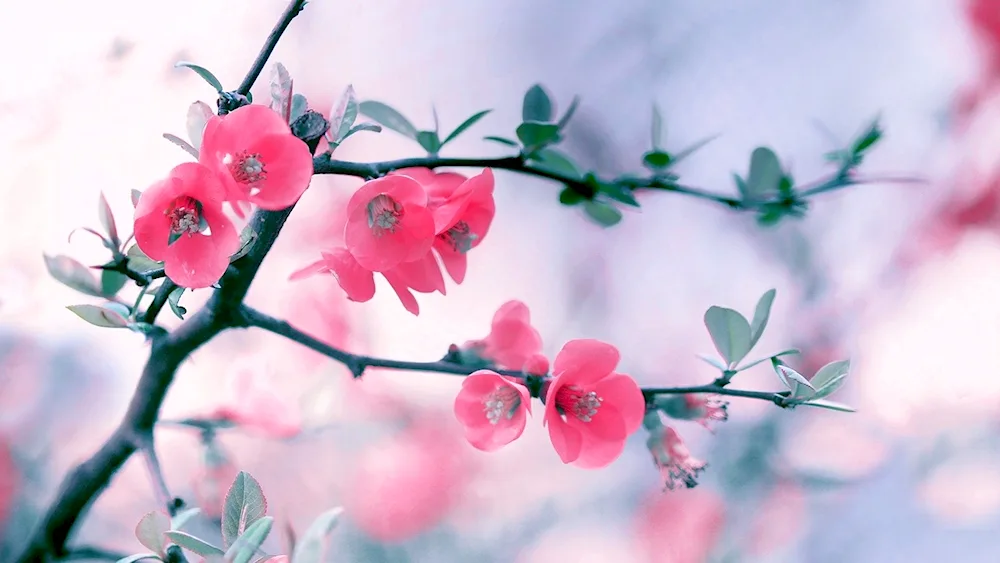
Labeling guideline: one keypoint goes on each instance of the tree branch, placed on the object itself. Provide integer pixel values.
(293, 9)
(357, 363)
(86, 481)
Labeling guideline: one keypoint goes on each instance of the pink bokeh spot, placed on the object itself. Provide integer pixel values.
(256, 407)
(186, 206)
(259, 160)
(512, 340)
(493, 409)
(680, 528)
(388, 223)
(590, 410)
(9, 481)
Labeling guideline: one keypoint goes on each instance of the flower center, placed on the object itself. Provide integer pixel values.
(186, 217)
(571, 400)
(246, 168)
(460, 237)
(384, 214)
(503, 402)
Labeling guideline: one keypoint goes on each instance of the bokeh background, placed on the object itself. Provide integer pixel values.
(901, 278)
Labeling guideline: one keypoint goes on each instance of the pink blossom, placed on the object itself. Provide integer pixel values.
(463, 212)
(422, 275)
(673, 459)
(407, 484)
(590, 409)
(493, 409)
(681, 527)
(779, 520)
(179, 221)
(537, 364)
(512, 339)
(256, 407)
(388, 223)
(259, 160)
(212, 481)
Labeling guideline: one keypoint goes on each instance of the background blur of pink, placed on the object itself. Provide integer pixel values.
(902, 278)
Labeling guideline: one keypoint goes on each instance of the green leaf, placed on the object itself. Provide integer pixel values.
(569, 112)
(868, 139)
(762, 360)
(136, 194)
(149, 531)
(248, 236)
(281, 91)
(686, 152)
(618, 193)
(202, 72)
(246, 547)
(765, 174)
(112, 282)
(465, 125)
(656, 160)
(760, 316)
(796, 383)
(182, 518)
(138, 261)
(99, 316)
(501, 140)
(198, 116)
(139, 557)
(182, 144)
(174, 301)
(193, 544)
(299, 106)
(244, 505)
(537, 105)
(343, 116)
(388, 117)
(429, 141)
(730, 333)
(714, 362)
(569, 196)
(108, 220)
(72, 274)
(657, 129)
(830, 377)
(552, 160)
(312, 547)
(603, 213)
(822, 403)
(535, 135)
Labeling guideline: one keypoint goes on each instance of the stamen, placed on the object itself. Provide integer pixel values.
(185, 217)
(384, 214)
(246, 168)
(460, 237)
(572, 400)
(503, 402)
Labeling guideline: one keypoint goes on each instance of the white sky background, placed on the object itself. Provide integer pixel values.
(75, 121)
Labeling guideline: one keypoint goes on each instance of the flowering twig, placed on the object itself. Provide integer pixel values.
(358, 363)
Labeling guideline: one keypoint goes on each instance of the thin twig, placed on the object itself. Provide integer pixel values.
(286, 18)
(159, 300)
(163, 496)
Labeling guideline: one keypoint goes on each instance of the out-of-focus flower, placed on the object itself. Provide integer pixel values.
(681, 527)
(258, 159)
(493, 409)
(590, 409)
(213, 479)
(701, 408)
(255, 407)
(779, 519)
(407, 484)
(672, 457)
(512, 339)
(9, 480)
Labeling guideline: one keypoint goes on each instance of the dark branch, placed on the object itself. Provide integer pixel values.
(159, 300)
(287, 16)
(357, 363)
(90, 552)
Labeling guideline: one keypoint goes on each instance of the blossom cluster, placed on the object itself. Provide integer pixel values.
(248, 156)
(398, 223)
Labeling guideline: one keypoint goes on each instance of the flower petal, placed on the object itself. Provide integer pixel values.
(566, 440)
(357, 282)
(289, 168)
(624, 393)
(455, 263)
(405, 297)
(585, 361)
(199, 260)
(317, 267)
(596, 453)
(423, 275)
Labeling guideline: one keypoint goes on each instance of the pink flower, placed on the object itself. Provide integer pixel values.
(422, 275)
(388, 223)
(409, 483)
(779, 520)
(673, 459)
(493, 409)
(463, 211)
(589, 408)
(179, 221)
(259, 160)
(701, 408)
(255, 407)
(680, 528)
(212, 481)
(512, 339)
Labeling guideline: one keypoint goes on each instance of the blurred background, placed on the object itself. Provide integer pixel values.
(901, 278)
